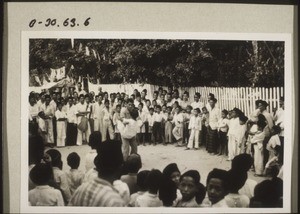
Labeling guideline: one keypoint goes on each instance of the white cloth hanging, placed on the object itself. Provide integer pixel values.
(52, 75)
(37, 79)
(87, 51)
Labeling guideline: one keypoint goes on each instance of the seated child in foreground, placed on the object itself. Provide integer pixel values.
(74, 176)
(142, 186)
(132, 165)
(189, 186)
(43, 194)
(217, 188)
(150, 198)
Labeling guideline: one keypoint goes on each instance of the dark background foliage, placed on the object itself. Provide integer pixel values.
(163, 62)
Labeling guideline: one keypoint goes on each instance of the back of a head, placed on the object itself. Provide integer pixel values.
(95, 139)
(167, 191)
(133, 163)
(266, 194)
(141, 180)
(73, 160)
(242, 162)
(55, 157)
(110, 157)
(236, 180)
(153, 180)
(41, 173)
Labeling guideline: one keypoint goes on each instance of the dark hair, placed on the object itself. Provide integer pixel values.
(276, 129)
(243, 118)
(268, 194)
(55, 158)
(151, 109)
(198, 94)
(109, 158)
(155, 92)
(141, 179)
(167, 192)
(138, 94)
(118, 106)
(187, 93)
(242, 162)
(73, 160)
(225, 112)
(200, 193)
(158, 106)
(129, 100)
(106, 101)
(169, 169)
(193, 174)
(198, 110)
(219, 174)
(190, 107)
(95, 139)
(41, 173)
(261, 123)
(236, 180)
(133, 163)
(142, 104)
(153, 180)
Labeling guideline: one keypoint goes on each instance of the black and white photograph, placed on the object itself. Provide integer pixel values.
(156, 121)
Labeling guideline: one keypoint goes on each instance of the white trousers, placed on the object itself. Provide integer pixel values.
(61, 133)
(258, 160)
(98, 124)
(194, 138)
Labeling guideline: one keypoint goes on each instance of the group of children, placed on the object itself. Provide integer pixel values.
(125, 183)
(167, 119)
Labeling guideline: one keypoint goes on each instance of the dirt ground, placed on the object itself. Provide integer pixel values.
(159, 156)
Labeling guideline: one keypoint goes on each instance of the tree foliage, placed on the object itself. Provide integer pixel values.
(163, 62)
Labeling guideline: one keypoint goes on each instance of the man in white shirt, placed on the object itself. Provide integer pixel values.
(197, 103)
(214, 116)
(47, 113)
(97, 115)
(82, 111)
(176, 96)
(71, 123)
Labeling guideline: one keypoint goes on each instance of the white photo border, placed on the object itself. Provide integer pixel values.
(289, 93)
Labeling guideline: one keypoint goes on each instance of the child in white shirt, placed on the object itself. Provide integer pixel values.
(274, 141)
(223, 124)
(157, 125)
(74, 176)
(43, 194)
(195, 126)
(150, 119)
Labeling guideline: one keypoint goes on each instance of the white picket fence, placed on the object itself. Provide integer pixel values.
(240, 97)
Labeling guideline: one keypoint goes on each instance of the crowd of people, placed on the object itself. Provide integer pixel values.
(116, 124)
